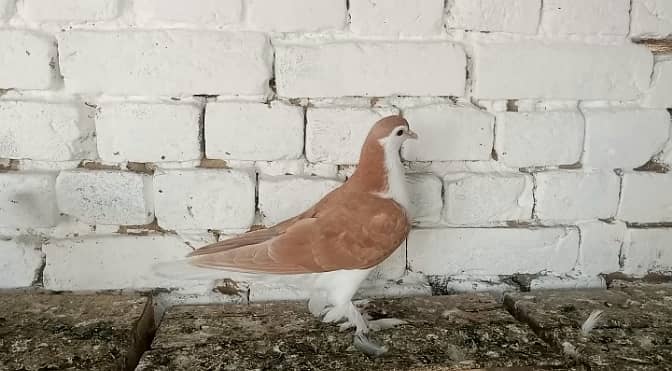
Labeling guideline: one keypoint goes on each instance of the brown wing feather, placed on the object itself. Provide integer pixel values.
(352, 231)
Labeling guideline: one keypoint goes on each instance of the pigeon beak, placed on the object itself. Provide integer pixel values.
(411, 134)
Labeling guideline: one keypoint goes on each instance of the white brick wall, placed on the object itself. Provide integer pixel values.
(560, 71)
(449, 133)
(516, 16)
(487, 198)
(28, 60)
(68, 10)
(569, 17)
(626, 139)
(27, 199)
(651, 18)
(396, 18)
(646, 198)
(172, 129)
(131, 128)
(277, 129)
(21, 261)
(197, 12)
(45, 131)
(335, 135)
(370, 69)
(105, 197)
(204, 199)
(283, 197)
(471, 251)
(576, 195)
(154, 63)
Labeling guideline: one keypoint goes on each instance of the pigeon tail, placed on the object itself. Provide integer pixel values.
(183, 270)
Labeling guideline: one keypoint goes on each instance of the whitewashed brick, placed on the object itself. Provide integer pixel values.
(198, 12)
(396, 18)
(28, 60)
(660, 93)
(392, 268)
(148, 132)
(296, 15)
(253, 131)
(487, 198)
(646, 198)
(45, 131)
(153, 62)
(69, 10)
(283, 197)
(539, 138)
(586, 17)
(27, 199)
(576, 195)
(515, 16)
(105, 197)
(624, 138)
(7, 8)
(651, 18)
(424, 191)
(204, 199)
(336, 134)
(648, 250)
(296, 167)
(471, 251)
(20, 258)
(448, 133)
(109, 262)
(601, 247)
(370, 69)
(561, 71)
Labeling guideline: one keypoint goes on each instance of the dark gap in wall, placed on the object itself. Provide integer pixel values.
(143, 335)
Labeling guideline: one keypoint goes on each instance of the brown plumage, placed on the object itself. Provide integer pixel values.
(353, 227)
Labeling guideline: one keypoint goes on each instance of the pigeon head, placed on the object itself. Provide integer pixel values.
(391, 130)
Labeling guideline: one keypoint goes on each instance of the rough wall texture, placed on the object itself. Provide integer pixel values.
(132, 131)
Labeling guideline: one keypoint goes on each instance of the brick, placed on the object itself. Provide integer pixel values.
(396, 18)
(424, 191)
(109, 262)
(45, 131)
(576, 195)
(646, 198)
(660, 93)
(204, 199)
(472, 251)
(651, 19)
(296, 15)
(586, 17)
(487, 198)
(283, 197)
(20, 259)
(392, 268)
(7, 8)
(69, 10)
(601, 247)
(560, 71)
(539, 138)
(105, 197)
(470, 132)
(253, 131)
(27, 199)
(29, 60)
(198, 12)
(296, 167)
(148, 132)
(648, 250)
(336, 134)
(370, 69)
(626, 139)
(515, 16)
(153, 63)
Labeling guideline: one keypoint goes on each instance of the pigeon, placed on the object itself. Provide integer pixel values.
(337, 241)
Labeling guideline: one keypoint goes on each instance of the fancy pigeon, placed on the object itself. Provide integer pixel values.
(339, 240)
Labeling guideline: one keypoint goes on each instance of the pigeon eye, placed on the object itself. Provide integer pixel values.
(399, 133)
